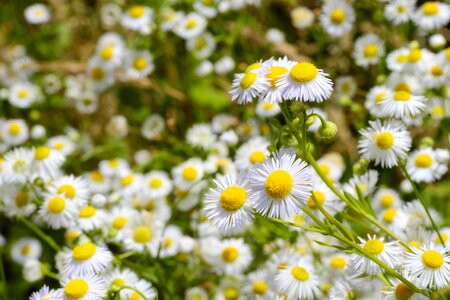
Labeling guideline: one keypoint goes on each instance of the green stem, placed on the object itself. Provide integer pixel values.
(3, 275)
(41, 234)
(322, 120)
(127, 254)
(314, 229)
(127, 287)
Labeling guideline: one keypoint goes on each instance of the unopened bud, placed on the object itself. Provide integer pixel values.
(328, 130)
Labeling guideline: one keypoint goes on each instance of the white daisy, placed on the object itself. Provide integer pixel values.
(153, 126)
(201, 135)
(87, 258)
(202, 45)
(252, 152)
(368, 50)
(274, 69)
(17, 165)
(14, 132)
(385, 198)
(248, 86)
(170, 243)
(138, 18)
(100, 74)
(159, 184)
(190, 26)
(337, 17)
(84, 287)
(234, 256)
(423, 166)
(188, 173)
(37, 13)
(399, 11)
(24, 249)
(139, 63)
(402, 104)
(22, 94)
(298, 281)
(267, 109)
(397, 58)
(71, 187)
(432, 15)
(46, 161)
(302, 17)
(44, 293)
(400, 291)
(58, 212)
(90, 218)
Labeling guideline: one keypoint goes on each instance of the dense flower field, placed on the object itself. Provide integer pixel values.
(224, 149)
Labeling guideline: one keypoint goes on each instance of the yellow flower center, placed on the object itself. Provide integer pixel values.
(268, 106)
(106, 53)
(370, 51)
(401, 9)
(22, 199)
(257, 157)
(140, 63)
(231, 293)
(14, 129)
(233, 198)
(447, 53)
(402, 58)
(389, 215)
(119, 222)
(278, 184)
(402, 96)
(416, 244)
(403, 292)
(41, 153)
(191, 23)
(189, 173)
(380, 97)
(432, 259)
(137, 11)
(156, 183)
(274, 74)
(437, 71)
(97, 73)
(71, 236)
(386, 200)
(438, 110)
(374, 247)
(22, 93)
(142, 234)
(337, 16)
(252, 67)
(303, 72)
(430, 8)
(260, 287)
(414, 55)
(325, 169)
(59, 146)
(402, 86)
(118, 282)
(248, 80)
(338, 262)
(113, 163)
(76, 289)
(25, 250)
(84, 251)
(87, 212)
(300, 273)
(68, 191)
(444, 238)
(423, 160)
(56, 205)
(97, 176)
(320, 197)
(384, 140)
(127, 180)
(167, 242)
(230, 254)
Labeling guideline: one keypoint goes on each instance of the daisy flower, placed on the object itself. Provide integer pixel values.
(114, 167)
(190, 26)
(252, 152)
(14, 132)
(202, 45)
(428, 267)
(17, 165)
(229, 204)
(432, 15)
(90, 218)
(139, 64)
(224, 65)
(405, 82)
(423, 166)
(46, 162)
(384, 143)
(247, 86)
(170, 18)
(87, 258)
(188, 173)
(44, 293)
(374, 97)
(153, 126)
(61, 143)
(17, 202)
(399, 11)
(397, 59)
(37, 13)
(305, 82)
(201, 135)
(84, 287)
(98, 183)
(386, 252)
(281, 184)
(267, 109)
(159, 184)
(138, 18)
(170, 241)
(259, 285)
(400, 291)
(234, 257)
(274, 69)
(439, 108)
(22, 94)
(368, 50)
(331, 165)
(196, 293)
(58, 211)
(402, 104)
(100, 74)
(208, 8)
(385, 198)
(298, 281)
(26, 249)
(346, 86)
(118, 219)
(365, 183)
(302, 17)
(143, 234)
(436, 74)
(417, 60)
(71, 187)
(326, 198)
(337, 17)
(110, 54)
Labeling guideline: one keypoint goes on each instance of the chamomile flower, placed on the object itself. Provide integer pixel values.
(387, 252)
(302, 17)
(71, 187)
(44, 293)
(139, 64)
(394, 218)
(190, 26)
(22, 94)
(375, 97)
(397, 59)
(439, 108)
(346, 85)
(37, 13)
(17, 202)
(100, 74)
(201, 135)
(368, 50)
(259, 285)
(331, 165)
(417, 60)
(304, 82)
(114, 167)
(428, 266)
(400, 291)
(188, 173)
(61, 143)
(26, 249)
(432, 15)
(298, 281)
(87, 258)
(208, 8)
(385, 198)
(138, 18)
(153, 126)
(58, 212)
(337, 17)
(14, 132)
(384, 143)
(229, 204)
(85, 287)
(46, 161)
(399, 11)
(170, 241)
(234, 257)
(267, 109)
(274, 69)
(444, 233)
(252, 152)
(402, 104)
(247, 86)
(170, 18)
(325, 198)
(159, 184)
(202, 45)
(90, 218)
(423, 166)
(365, 183)
(17, 165)
(436, 74)
(281, 185)
(143, 234)
(110, 54)
(97, 181)
(196, 293)
(405, 82)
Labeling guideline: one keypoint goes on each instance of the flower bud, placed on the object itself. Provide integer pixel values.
(328, 131)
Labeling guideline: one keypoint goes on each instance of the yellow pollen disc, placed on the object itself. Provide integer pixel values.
(384, 140)
(140, 63)
(416, 244)
(389, 215)
(201, 43)
(402, 96)
(402, 86)
(282, 266)
(87, 212)
(300, 273)
(447, 53)
(257, 157)
(403, 292)
(137, 11)
(150, 206)
(167, 242)
(127, 180)
(380, 97)
(423, 160)
(337, 16)
(41, 153)
(230, 254)
(438, 110)
(299, 219)
(279, 184)
(76, 289)
(374, 247)
(260, 287)
(22, 199)
(437, 71)
(252, 67)
(14, 129)
(208, 2)
(156, 183)
(432, 259)
(189, 173)
(97, 176)
(97, 73)
(142, 234)
(71, 236)
(119, 222)
(118, 282)
(106, 53)
(113, 163)
(303, 72)
(338, 262)
(248, 80)
(274, 74)
(320, 198)
(67, 190)
(84, 251)
(22, 93)
(231, 293)
(191, 24)
(268, 106)
(386, 200)
(134, 296)
(402, 58)
(25, 250)
(233, 198)
(56, 205)
(59, 146)
(430, 8)
(443, 236)
(401, 9)
(370, 51)
(325, 169)
(414, 55)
